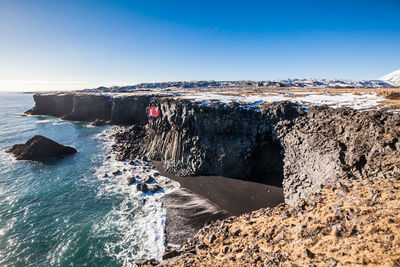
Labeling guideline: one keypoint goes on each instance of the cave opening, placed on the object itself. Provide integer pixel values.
(266, 161)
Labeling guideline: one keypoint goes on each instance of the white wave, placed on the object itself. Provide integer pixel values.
(62, 123)
(138, 219)
(44, 121)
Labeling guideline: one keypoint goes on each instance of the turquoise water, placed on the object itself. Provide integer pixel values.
(62, 212)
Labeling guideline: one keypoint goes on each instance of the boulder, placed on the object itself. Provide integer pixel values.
(149, 180)
(99, 122)
(155, 188)
(142, 187)
(38, 148)
(117, 172)
(131, 180)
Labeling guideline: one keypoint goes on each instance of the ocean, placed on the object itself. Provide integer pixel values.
(64, 212)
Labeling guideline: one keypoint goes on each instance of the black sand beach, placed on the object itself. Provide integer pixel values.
(233, 195)
(202, 199)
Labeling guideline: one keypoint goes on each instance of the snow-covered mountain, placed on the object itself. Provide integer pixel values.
(305, 83)
(392, 78)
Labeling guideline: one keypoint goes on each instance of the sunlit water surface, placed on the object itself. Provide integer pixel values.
(64, 212)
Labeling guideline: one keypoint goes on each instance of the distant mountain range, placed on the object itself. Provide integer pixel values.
(389, 80)
(392, 78)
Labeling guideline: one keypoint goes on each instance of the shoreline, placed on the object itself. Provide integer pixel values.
(312, 148)
(233, 195)
(187, 213)
(202, 200)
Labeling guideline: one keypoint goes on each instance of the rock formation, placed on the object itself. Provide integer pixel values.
(57, 104)
(353, 156)
(277, 143)
(130, 110)
(192, 139)
(99, 122)
(329, 144)
(121, 110)
(38, 148)
(90, 108)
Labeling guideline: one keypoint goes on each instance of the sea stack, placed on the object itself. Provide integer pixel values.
(38, 148)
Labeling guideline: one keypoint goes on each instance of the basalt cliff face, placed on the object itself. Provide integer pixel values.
(121, 110)
(277, 143)
(228, 140)
(328, 144)
(52, 104)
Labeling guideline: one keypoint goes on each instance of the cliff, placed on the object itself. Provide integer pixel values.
(276, 143)
(57, 104)
(89, 107)
(329, 144)
(193, 139)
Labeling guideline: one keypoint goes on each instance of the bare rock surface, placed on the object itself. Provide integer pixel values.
(99, 122)
(90, 108)
(329, 144)
(55, 104)
(38, 148)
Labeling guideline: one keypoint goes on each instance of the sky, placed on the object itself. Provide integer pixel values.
(51, 45)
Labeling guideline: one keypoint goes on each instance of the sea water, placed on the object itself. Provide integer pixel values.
(64, 212)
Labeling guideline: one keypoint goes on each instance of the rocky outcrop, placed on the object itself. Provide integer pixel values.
(193, 139)
(278, 142)
(121, 110)
(99, 122)
(57, 104)
(268, 144)
(329, 144)
(130, 110)
(38, 148)
(90, 108)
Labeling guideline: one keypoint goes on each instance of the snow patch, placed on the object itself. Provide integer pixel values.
(356, 101)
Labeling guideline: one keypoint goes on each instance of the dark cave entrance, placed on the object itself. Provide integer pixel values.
(266, 161)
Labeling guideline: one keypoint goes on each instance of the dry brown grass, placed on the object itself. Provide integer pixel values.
(392, 96)
(352, 224)
(301, 95)
(391, 103)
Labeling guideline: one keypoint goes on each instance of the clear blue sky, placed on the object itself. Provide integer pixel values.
(72, 44)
